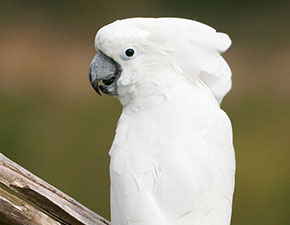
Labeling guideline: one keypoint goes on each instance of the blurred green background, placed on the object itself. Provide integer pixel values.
(55, 125)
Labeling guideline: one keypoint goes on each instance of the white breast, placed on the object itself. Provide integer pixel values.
(173, 164)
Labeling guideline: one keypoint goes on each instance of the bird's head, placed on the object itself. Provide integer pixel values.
(134, 55)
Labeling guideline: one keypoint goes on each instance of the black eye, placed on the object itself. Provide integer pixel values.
(129, 52)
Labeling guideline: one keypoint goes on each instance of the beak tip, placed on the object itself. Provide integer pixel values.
(94, 82)
(95, 85)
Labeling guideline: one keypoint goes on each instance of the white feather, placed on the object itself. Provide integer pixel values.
(194, 47)
(172, 159)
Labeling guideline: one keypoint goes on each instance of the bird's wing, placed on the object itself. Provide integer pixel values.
(195, 183)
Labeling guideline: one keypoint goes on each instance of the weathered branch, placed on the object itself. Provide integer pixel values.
(14, 210)
(52, 201)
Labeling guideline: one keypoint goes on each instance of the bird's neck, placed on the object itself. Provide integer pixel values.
(153, 90)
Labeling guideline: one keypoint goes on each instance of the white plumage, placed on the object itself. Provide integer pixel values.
(172, 159)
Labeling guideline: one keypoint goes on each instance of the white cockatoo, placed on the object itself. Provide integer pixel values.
(172, 159)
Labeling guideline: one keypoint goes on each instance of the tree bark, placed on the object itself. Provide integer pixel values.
(14, 210)
(32, 201)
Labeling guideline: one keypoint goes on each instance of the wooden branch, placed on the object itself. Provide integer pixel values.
(14, 210)
(52, 201)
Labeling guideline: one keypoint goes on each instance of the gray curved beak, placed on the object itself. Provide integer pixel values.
(105, 70)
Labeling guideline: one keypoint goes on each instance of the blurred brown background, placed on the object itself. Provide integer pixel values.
(55, 125)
